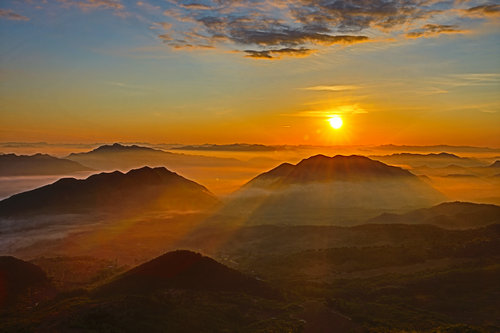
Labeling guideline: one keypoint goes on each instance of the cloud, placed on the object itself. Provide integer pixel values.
(10, 15)
(484, 10)
(90, 4)
(278, 53)
(430, 30)
(270, 29)
(333, 88)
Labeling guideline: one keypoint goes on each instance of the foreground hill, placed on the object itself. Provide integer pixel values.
(180, 291)
(137, 190)
(38, 164)
(185, 270)
(19, 279)
(450, 215)
(123, 157)
(328, 190)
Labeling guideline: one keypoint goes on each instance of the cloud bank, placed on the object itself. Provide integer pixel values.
(266, 29)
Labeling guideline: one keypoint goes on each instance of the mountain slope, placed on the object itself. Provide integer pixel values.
(185, 270)
(328, 190)
(38, 164)
(138, 190)
(451, 215)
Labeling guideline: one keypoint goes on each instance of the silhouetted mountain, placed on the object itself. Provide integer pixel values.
(18, 279)
(495, 164)
(432, 160)
(185, 270)
(321, 168)
(328, 190)
(123, 157)
(38, 164)
(138, 190)
(451, 215)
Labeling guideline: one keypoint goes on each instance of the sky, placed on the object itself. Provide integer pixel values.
(217, 71)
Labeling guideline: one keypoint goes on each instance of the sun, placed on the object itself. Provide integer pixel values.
(336, 122)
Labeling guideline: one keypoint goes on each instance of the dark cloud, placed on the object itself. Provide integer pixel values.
(10, 15)
(433, 29)
(485, 10)
(269, 29)
(278, 53)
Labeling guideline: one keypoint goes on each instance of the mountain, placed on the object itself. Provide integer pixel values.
(495, 164)
(450, 215)
(123, 157)
(19, 279)
(137, 190)
(327, 190)
(183, 269)
(321, 168)
(38, 164)
(433, 160)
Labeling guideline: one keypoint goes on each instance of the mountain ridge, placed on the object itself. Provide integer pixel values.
(38, 164)
(144, 187)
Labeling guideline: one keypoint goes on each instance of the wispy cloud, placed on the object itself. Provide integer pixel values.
(429, 30)
(333, 88)
(10, 15)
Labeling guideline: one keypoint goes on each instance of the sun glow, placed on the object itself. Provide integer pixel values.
(336, 122)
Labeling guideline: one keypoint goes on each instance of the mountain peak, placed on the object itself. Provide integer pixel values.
(137, 190)
(321, 168)
(117, 147)
(495, 164)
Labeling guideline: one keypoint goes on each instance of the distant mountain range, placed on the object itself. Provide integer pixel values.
(432, 160)
(437, 148)
(142, 189)
(123, 157)
(328, 190)
(235, 147)
(449, 215)
(38, 164)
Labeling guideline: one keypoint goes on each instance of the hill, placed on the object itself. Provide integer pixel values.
(38, 164)
(180, 291)
(137, 190)
(185, 270)
(328, 190)
(19, 279)
(450, 215)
